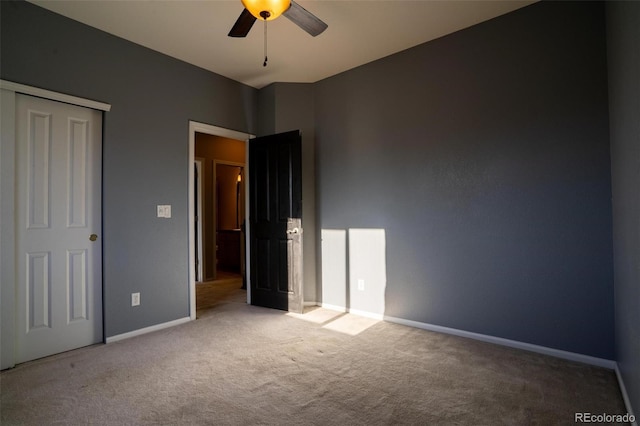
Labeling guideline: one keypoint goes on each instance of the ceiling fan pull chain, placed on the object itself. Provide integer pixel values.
(265, 43)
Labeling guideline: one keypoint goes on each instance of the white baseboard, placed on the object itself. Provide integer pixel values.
(309, 304)
(366, 314)
(625, 395)
(146, 330)
(570, 356)
(334, 307)
(358, 312)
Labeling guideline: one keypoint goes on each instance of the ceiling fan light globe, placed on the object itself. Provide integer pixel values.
(274, 8)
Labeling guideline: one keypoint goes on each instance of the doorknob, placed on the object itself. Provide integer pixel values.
(93, 237)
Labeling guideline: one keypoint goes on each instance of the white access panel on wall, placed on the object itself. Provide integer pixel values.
(58, 227)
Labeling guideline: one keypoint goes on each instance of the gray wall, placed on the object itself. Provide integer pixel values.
(623, 31)
(484, 157)
(153, 97)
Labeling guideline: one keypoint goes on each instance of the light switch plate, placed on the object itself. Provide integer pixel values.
(164, 210)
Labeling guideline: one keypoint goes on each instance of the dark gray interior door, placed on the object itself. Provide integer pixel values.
(275, 213)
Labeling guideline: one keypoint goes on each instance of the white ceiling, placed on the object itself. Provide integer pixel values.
(359, 32)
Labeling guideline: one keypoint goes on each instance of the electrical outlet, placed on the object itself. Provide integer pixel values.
(135, 299)
(361, 284)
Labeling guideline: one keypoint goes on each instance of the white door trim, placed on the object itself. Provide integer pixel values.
(7, 196)
(199, 214)
(196, 127)
(7, 230)
(54, 96)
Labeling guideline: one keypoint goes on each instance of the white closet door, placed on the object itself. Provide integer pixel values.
(58, 235)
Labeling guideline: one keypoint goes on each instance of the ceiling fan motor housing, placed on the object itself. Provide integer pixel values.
(266, 9)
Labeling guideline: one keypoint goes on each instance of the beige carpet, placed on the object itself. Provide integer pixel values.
(244, 365)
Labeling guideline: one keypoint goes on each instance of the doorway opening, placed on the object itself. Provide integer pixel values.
(229, 214)
(217, 207)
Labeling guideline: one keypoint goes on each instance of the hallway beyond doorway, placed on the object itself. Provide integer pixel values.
(226, 289)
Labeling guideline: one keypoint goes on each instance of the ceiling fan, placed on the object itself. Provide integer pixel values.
(268, 10)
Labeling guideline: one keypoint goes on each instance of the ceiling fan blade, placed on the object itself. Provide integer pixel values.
(305, 19)
(243, 24)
